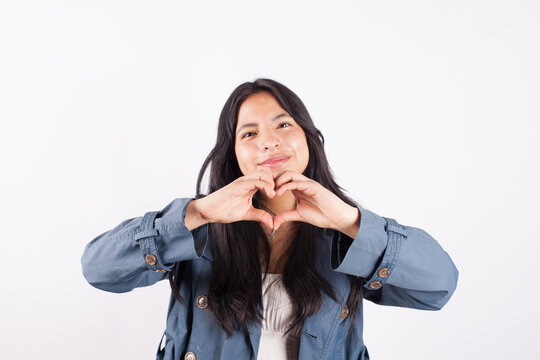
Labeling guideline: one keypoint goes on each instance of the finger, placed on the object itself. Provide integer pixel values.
(269, 191)
(264, 175)
(284, 216)
(295, 185)
(266, 170)
(287, 176)
(260, 216)
(260, 185)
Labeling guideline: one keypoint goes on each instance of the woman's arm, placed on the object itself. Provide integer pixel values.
(402, 265)
(140, 251)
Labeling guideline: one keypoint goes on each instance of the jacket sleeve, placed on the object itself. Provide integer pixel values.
(140, 251)
(401, 265)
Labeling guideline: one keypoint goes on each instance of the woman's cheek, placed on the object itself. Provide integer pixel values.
(245, 159)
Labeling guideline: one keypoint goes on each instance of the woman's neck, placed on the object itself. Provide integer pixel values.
(279, 247)
(282, 237)
(277, 204)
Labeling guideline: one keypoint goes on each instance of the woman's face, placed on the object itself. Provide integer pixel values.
(268, 137)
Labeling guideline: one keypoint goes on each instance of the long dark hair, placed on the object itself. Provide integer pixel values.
(235, 295)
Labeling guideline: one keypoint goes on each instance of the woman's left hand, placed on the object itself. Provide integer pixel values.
(315, 204)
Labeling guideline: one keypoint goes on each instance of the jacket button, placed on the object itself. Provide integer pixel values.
(375, 284)
(384, 272)
(202, 302)
(150, 259)
(344, 312)
(190, 356)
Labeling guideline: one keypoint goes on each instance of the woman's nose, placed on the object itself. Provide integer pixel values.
(269, 141)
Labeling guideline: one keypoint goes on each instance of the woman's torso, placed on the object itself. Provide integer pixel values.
(278, 312)
(193, 329)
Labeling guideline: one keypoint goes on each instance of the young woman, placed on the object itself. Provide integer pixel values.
(275, 260)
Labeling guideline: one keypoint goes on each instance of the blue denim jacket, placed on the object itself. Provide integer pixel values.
(400, 266)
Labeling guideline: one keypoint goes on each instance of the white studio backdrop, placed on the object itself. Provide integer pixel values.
(429, 111)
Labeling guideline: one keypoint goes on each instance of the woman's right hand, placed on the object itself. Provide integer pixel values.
(233, 202)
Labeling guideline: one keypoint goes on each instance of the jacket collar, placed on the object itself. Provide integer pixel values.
(207, 252)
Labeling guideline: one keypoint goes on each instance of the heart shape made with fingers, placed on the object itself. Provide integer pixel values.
(288, 211)
(274, 216)
(313, 203)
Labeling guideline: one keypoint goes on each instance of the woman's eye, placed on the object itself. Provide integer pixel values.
(246, 134)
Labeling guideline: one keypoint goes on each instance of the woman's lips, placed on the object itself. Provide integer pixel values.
(275, 163)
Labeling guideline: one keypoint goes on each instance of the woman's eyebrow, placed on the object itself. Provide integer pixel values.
(275, 118)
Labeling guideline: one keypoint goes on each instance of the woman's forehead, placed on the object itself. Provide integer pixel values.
(259, 106)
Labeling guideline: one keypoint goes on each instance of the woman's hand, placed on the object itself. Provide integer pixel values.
(233, 202)
(315, 204)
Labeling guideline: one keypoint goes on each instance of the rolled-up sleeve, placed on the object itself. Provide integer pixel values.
(401, 265)
(140, 251)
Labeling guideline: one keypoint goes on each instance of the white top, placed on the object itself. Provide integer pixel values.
(277, 316)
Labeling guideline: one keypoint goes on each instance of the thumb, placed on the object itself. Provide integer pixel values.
(260, 216)
(284, 216)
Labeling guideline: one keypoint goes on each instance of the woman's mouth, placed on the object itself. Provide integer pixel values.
(275, 162)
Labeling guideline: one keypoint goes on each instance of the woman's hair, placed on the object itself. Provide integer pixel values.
(235, 295)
